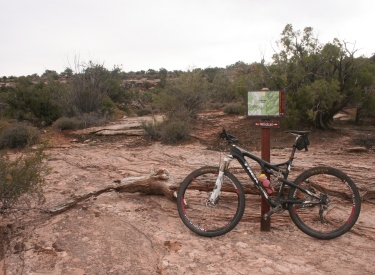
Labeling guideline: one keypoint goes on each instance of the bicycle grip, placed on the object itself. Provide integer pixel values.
(228, 137)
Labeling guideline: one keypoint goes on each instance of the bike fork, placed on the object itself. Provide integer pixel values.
(219, 181)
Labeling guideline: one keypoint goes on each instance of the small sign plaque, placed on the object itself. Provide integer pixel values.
(267, 124)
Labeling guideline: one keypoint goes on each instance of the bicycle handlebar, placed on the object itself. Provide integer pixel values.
(228, 137)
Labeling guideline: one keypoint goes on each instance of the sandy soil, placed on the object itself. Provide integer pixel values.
(133, 233)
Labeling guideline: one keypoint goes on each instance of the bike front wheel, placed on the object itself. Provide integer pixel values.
(341, 207)
(199, 214)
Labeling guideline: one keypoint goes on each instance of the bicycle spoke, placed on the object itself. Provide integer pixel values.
(204, 215)
(338, 211)
(207, 218)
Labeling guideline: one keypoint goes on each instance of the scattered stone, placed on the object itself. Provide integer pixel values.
(242, 245)
(358, 149)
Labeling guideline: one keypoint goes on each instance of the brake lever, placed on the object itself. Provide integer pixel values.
(228, 137)
(232, 138)
(223, 134)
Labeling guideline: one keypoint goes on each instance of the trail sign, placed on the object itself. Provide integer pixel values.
(267, 124)
(266, 104)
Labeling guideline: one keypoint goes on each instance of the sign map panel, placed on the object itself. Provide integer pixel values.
(265, 104)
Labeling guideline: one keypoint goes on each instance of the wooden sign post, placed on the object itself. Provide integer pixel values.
(268, 106)
(265, 225)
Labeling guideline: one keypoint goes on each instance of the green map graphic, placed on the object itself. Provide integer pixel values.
(263, 103)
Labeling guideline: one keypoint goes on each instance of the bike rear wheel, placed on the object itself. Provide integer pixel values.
(205, 218)
(332, 219)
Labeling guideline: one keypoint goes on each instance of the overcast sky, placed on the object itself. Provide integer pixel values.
(37, 35)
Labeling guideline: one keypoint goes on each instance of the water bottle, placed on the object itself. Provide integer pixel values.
(266, 183)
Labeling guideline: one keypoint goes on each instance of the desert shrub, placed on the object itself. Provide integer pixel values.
(216, 105)
(3, 124)
(368, 142)
(31, 101)
(108, 106)
(167, 131)
(175, 131)
(18, 135)
(234, 108)
(88, 89)
(21, 179)
(144, 112)
(182, 114)
(68, 123)
(92, 119)
(190, 91)
(152, 129)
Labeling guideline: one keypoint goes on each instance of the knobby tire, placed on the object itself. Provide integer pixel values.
(325, 221)
(204, 218)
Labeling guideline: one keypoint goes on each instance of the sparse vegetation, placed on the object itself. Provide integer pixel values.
(189, 92)
(144, 111)
(234, 108)
(320, 79)
(18, 135)
(21, 179)
(368, 142)
(92, 119)
(68, 123)
(31, 100)
(167, 131)
(152, 129)
(175, 131)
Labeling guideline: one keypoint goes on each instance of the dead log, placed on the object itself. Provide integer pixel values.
(367, 194)
(125, 132)
(157, 183)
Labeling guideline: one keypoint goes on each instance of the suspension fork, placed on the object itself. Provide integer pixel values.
(219, 181)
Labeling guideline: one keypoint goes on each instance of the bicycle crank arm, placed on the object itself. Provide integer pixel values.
(277, 209)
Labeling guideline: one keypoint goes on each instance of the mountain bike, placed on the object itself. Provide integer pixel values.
(323, 202)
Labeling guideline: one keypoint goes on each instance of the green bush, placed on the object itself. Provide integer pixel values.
(108, 107)
(152, 129)
(190, 91)
(21, 179)
(92, 119)
(175, 131)
(182, 114)
(167, 131)
(32, 100)
(68, 123)
(234, 108)
(18, 135)
(144, 112)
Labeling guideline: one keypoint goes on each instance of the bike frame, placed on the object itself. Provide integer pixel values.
(239, 154)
